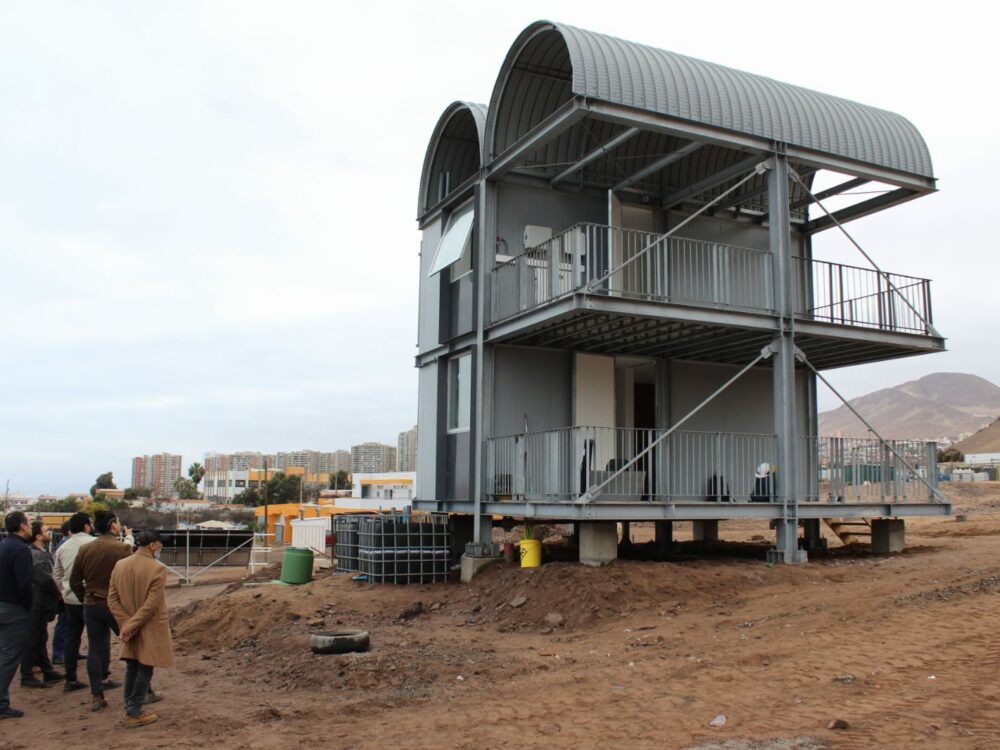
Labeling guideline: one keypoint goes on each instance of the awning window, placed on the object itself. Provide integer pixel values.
(456, 240)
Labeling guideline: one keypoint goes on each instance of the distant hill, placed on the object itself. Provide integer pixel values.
(944, 404)
(987, 440)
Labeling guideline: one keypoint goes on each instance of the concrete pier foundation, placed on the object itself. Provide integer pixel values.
(888, 535)
(598, 542)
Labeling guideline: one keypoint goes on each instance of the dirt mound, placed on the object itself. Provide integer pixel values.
(570, 596)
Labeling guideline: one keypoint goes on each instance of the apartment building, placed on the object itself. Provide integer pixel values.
(373, 458)
(406, 450)
(158, 473)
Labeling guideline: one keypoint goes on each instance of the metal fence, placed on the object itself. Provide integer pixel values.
(845, 470)
(561, 465)
(848, 295)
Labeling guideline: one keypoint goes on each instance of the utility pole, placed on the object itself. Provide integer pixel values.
(265, 498)
(6, 498)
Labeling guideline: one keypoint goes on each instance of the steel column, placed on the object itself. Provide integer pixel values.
(786, 481)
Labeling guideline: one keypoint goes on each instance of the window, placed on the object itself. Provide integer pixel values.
(459, 392)
(456, 241)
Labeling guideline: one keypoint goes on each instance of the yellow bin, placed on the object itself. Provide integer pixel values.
(531, 553)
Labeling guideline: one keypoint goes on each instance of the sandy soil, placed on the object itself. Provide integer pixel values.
(638, 654)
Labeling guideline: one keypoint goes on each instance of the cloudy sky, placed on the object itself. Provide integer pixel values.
(207, 209)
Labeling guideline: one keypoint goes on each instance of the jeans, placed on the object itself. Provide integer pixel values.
(59, 638)
(14, 621)
(74, 633)
(36, 652)
(137, 679)
(100, 624)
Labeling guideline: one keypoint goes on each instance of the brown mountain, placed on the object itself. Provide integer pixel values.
(944, 404)
(987, 440)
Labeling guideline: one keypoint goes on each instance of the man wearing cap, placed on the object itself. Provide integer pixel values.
(15, 603)
(137, 599)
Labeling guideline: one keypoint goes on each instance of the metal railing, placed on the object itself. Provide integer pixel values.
(675, 269)
(610, 261)
(561, 465)
(848, 295)
(851, 470)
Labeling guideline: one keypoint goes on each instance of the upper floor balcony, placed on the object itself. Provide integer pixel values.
(706, 287)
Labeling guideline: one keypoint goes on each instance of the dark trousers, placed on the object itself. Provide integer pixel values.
(59, 638)
(137, 679)
(14, 621)
(74, 634)
(100, 624)
(36, 652)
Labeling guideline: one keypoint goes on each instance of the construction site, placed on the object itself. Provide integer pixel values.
(899, 648)
(627, 530)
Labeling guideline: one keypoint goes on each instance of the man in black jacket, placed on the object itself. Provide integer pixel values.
(15, 603)
(44, 608)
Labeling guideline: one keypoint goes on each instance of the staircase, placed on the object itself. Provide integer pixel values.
(851, 530)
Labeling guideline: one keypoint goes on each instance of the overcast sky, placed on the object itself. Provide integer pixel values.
(207, 209)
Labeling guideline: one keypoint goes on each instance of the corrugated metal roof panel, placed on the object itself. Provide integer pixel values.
(634, 75)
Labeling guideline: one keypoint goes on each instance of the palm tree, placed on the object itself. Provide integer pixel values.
(196, 471)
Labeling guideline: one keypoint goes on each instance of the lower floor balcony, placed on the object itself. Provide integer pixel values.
(605, 472)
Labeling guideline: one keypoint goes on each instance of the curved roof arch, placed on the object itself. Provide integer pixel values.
(551, 63)
(454, 152)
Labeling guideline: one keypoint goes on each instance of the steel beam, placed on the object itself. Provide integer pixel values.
(568, 115)
(829, 192)
(597, 153)
(682, 510)
(652, 121)
(736, 170)
(659, 164)
(858, 210)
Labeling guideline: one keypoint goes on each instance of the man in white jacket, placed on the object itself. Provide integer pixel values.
(80, 529)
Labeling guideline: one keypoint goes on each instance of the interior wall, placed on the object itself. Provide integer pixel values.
(531, 382)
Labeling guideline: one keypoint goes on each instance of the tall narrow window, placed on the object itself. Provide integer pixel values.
(456, 241)
(459, 392)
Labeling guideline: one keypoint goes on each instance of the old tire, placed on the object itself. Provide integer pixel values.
(339, 641)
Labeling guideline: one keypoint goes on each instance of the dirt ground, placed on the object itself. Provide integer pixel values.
(903, 649)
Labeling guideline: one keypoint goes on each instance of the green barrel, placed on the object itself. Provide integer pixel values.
(297, 565)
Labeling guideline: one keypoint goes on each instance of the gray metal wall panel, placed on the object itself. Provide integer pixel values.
(747, 406)
(428, 331)
(427, 431)
(458, 471)
(536, 382)
(519, 205)
(461, 312)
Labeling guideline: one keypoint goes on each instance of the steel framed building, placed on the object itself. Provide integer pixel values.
(621, 316)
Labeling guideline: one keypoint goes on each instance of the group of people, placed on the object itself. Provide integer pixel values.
(98, 584)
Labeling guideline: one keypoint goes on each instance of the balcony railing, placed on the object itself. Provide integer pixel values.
(846, 470)
(631, 264)
(562, 465)
(847, 295)
(676, 269)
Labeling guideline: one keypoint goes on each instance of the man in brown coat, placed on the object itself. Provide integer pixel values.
(137, 600)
